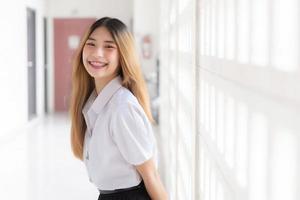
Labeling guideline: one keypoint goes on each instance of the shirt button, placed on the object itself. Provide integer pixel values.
(90, 132)
(87, 155)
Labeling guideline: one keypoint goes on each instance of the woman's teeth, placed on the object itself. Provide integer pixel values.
(97, 64)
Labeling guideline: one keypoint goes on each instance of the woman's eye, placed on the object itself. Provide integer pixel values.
(90, 44)
(109, 46)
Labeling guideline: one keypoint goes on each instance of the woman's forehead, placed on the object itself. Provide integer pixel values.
(101, 33)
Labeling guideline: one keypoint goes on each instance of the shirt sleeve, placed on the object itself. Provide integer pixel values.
(132, 133)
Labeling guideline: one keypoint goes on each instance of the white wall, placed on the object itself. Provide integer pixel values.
(177, 107)
(13, 59)
(91, 8)
(82, 9)
(247, 99)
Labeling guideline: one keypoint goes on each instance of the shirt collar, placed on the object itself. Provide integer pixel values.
(97, 103)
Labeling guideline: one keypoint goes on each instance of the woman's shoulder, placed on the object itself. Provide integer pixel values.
(124, 98)
(125, 108)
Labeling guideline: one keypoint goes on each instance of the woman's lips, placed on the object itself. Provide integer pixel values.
(97, 64)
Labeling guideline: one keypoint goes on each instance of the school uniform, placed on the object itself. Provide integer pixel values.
(118, 137)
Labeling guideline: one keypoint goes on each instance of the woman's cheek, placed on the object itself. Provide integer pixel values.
(114, 56)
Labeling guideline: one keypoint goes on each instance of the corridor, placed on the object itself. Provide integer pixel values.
(223, 78)
(39, 164)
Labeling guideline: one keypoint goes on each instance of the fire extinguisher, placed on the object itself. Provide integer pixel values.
(146, 47)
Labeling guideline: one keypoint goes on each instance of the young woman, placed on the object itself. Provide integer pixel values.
(110, 116)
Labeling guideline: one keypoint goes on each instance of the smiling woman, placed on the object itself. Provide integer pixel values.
(110, 114)
(100, 56)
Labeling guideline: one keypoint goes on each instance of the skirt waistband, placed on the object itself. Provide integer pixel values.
(141, 185)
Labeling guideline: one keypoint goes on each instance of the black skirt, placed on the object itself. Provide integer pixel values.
(139, 193)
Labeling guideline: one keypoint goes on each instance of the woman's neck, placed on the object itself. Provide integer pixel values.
(100, 83)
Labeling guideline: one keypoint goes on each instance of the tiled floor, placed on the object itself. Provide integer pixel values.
(37, 164)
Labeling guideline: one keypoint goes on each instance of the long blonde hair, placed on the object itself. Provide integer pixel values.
(83, 83)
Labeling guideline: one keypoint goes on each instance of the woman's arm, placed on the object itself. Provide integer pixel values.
(152, 180)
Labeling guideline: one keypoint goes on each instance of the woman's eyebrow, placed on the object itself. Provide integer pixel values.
(110, 41)
(106, 41)
(90, 38)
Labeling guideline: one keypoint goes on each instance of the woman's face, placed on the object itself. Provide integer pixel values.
(100, 55)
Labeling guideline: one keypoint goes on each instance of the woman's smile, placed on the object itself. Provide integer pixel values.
(98, 64)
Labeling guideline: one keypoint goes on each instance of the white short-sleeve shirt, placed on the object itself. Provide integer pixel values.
(118, 137)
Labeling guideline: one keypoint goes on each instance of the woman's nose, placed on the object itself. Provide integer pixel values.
(99, 52)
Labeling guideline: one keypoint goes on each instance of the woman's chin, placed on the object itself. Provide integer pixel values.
(97, 72)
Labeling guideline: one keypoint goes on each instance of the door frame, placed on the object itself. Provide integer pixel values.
(31, 62)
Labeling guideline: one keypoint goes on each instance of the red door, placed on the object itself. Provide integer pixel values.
(67, 35)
